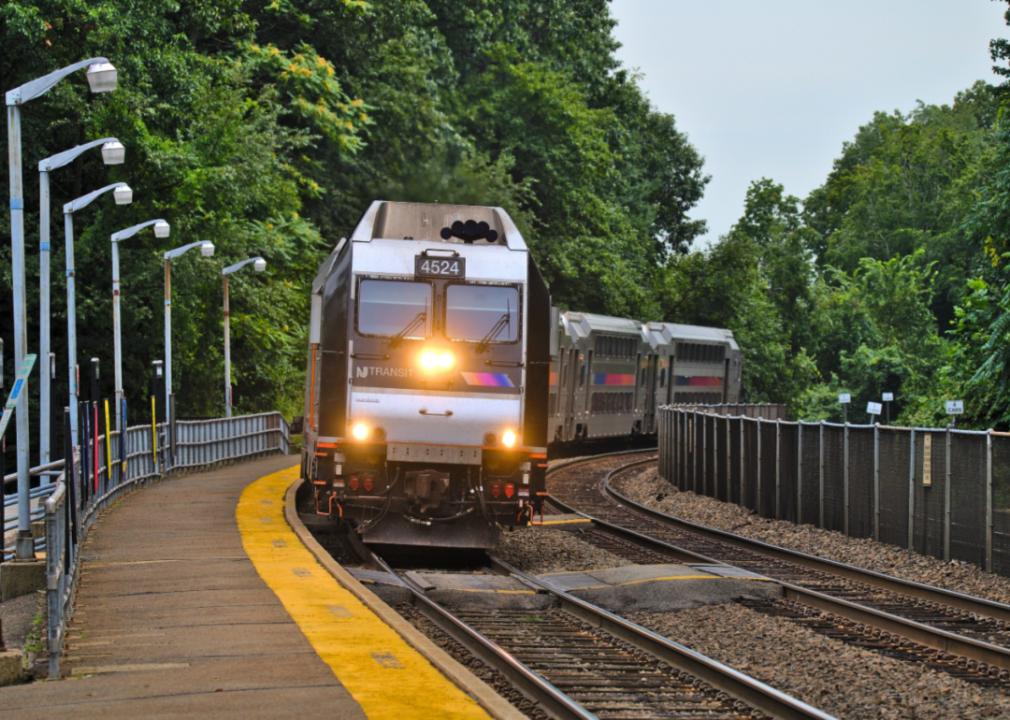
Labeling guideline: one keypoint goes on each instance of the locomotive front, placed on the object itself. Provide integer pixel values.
(427, 387)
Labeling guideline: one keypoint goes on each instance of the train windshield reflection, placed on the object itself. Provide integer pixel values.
(394, 308)
(482, 313)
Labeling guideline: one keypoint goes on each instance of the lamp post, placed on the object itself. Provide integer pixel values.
(206, 250)
(123, 195)
(259, 265)
(161, 230)
(102, 77)
(113, 153)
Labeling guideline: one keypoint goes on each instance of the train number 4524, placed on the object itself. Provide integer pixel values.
(425, 266)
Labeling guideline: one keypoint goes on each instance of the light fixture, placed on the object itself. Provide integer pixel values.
(508, 438)
(102, 77)
(432, 360)
(113, 153)
(360, 431)
(123, 195)
(207, 248)
(259, 264)
(162, 229)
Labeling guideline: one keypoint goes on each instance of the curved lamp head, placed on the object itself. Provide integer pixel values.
(162, 229)
(113, 153)
(259, 264)
(123, 195)
(207, 248)
(102, 77)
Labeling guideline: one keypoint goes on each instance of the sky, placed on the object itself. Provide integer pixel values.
(773, 88)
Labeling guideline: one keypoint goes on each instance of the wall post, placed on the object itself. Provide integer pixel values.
(757, 468)
(778, 468)
(820, 475)
(946, 498)
(845, 479)
(876, 481)
(911, 491)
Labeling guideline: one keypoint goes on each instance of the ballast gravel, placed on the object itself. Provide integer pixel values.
(840, 679)
(539, 550)
(646, 487)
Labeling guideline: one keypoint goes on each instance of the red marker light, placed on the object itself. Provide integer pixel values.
(495, 490)
(352, 482)
(369, 483)
(510, 490)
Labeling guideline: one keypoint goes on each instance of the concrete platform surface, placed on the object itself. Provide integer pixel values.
(173, 620)
(660, 588)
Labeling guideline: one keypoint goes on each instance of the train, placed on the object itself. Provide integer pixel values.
(439, 374)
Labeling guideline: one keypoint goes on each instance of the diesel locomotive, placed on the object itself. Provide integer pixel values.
(438, 373)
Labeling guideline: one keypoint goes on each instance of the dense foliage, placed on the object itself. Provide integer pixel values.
(892, 276)
(268, 126)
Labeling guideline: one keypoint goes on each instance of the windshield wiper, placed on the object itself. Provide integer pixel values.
(415, 321)
(500, 324)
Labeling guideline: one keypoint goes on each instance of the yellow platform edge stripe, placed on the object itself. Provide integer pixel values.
(386, 676)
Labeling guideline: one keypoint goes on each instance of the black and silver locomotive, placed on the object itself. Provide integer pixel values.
(427, 378)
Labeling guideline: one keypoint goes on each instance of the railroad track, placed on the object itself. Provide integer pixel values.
(965, 636)
(577, 660)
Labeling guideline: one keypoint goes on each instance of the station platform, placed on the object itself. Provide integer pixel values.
(197, 599)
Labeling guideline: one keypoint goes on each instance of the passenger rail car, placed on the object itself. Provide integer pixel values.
(426, 386)
(608, 375)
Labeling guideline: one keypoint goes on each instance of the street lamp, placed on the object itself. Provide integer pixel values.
(123, 195)
(206, 250)
(113, 153)
(259, 265)
(102, 77)
(161, 230)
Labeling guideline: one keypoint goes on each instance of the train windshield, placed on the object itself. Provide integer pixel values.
(482, 313)
(394, 308)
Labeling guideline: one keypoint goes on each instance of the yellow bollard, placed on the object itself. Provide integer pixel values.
(154, 432)
(108, 446)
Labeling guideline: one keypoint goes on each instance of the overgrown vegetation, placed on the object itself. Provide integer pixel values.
(268, 126)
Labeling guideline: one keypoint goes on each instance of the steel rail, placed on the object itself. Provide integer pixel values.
(749, 690)
(529, 682)
(920, 591)
(912, 630)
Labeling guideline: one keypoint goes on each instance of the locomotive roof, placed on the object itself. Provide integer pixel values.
(457, 224)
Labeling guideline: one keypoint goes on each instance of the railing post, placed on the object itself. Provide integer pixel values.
(911, 490)
(694, 451)
(820, 475)
(799, 473)
(729, 462)
(988, 501)
(778, 468)
(758, 489)
(715, 456)
(946, 498)
(743, 455)
(845, 478)
(876, 481)
(704, 455)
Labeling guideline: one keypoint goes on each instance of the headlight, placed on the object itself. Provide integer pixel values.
(434, 360)
(360, 431)
(508, 438)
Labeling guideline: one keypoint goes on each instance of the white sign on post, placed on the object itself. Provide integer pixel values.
(955, 407)
(844, 398)
(887, 397)
(873, 408)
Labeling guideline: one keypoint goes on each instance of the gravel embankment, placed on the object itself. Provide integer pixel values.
(837, 678)
(649, 489)
(540, 550)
